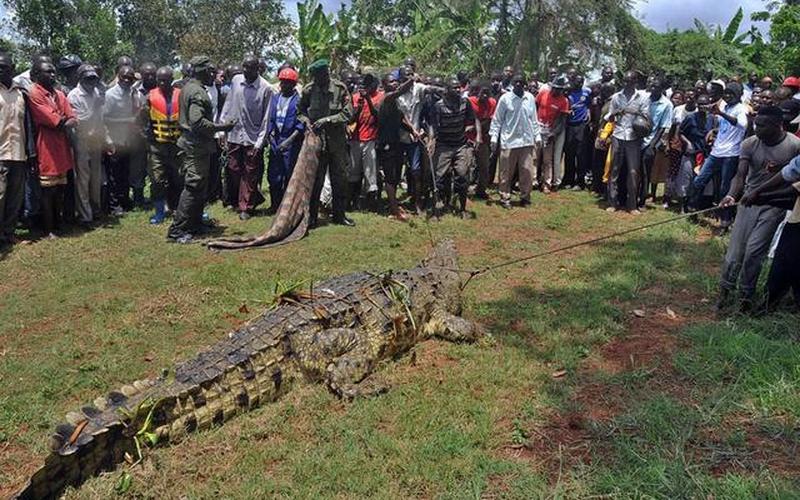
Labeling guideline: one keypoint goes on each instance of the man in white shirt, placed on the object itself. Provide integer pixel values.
(515, 128)
(724, 157)
(410, 104)
(92, 138)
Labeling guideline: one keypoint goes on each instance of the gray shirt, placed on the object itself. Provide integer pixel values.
(88, 108)
(120, 111)
(638, 104)
(248, 104)
(765, 161)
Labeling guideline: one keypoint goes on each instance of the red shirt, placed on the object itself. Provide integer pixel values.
(550, 107)
(48, 109)
(366, 124)
(484, 111)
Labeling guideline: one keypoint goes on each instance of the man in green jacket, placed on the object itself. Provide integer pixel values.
(326, 107)
(197, 142)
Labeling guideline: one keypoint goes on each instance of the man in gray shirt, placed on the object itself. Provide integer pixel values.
(248, 105)
(92, 138)
(761, 157)
(626, 106)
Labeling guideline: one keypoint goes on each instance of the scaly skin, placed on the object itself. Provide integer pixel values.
(337, 337)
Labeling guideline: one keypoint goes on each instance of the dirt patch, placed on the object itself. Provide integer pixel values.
(16, 466)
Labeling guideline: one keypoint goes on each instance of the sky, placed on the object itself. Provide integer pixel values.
(658, 14)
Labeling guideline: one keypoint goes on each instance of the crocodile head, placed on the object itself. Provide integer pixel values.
(444, 260)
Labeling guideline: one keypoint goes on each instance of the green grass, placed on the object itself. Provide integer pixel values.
(88, 313)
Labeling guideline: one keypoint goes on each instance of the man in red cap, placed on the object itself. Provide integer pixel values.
(285, 133)
(793, 83)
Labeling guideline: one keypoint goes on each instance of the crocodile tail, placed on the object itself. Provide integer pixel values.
(156, 411)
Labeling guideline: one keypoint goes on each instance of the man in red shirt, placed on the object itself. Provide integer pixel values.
(484, 105)
(553, 108)
(53, 117)
(363, 159)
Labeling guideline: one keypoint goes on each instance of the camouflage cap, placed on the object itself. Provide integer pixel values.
(200, 63)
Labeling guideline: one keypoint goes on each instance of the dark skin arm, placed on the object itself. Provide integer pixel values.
(777, 181)
(737, 184)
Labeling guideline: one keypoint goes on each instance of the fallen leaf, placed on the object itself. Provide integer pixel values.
(559, 373)
(671, 313)
(639, 313)
(243, 309)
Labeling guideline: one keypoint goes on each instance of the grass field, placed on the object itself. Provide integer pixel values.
(576, 397)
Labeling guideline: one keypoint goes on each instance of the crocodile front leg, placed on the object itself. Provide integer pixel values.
(343, 359)
(452, 328)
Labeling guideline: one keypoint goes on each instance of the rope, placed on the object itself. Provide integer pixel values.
(474, 273)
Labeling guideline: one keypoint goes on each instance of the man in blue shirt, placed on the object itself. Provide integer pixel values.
(575, 160)
(661, 118)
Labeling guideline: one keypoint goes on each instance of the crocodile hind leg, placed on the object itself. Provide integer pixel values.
(452, 328)
(343, 357)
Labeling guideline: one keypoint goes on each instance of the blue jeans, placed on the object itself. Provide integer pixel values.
(414, 156)
(726, 168)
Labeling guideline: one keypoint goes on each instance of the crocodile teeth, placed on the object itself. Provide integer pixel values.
(141, 385)
(101, 403)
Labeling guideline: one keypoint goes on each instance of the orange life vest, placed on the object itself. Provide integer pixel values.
(163, 118)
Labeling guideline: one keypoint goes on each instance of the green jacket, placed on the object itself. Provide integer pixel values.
(196, 118)
(332, 105)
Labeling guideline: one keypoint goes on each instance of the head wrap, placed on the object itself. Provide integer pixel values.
(288, 74)
(200, 63)
(318, 65)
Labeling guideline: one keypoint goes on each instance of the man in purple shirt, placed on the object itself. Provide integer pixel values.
(248, 105)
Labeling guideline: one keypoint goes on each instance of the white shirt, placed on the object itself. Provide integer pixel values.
(12, 124)
(410, 104)
(515, 122)
(729, 138)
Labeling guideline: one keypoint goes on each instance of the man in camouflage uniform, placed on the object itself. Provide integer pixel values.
(197, 142)
(326, 107)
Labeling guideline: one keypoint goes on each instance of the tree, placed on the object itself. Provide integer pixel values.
(228, 31)
(153, 27)
(785, 35)
(84, 27)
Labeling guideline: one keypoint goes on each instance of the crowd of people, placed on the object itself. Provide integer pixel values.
(75, 148)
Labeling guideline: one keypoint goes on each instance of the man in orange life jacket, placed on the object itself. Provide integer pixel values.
(160, 120)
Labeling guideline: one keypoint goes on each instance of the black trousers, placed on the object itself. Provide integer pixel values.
(52, 204)
(333, 160)
(119, 183)
(575, 155)
(626, 164)
(785, 271)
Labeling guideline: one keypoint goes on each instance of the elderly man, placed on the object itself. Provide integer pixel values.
(515, 128)
(15, 146)
(119, 112)
(248, 105)
(197, 143)
(92, 138)
(326, 107)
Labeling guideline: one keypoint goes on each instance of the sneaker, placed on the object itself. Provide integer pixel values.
(505, 204)
(611, 210)
(183, 239)
(244, 216)
(635, 212)
(546, 190)
(665, 206)
(464, 215)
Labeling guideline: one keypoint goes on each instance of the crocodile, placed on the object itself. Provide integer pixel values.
(335, 334)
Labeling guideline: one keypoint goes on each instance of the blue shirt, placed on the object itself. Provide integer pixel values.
(515, 121)
(579, 101)
(661, 116)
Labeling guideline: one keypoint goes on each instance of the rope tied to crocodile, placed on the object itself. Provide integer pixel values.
(474, 273)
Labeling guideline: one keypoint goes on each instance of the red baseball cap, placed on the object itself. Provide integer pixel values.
(288, 74)
(792, 81)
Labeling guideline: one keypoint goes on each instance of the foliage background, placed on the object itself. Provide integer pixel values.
(443, 35)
